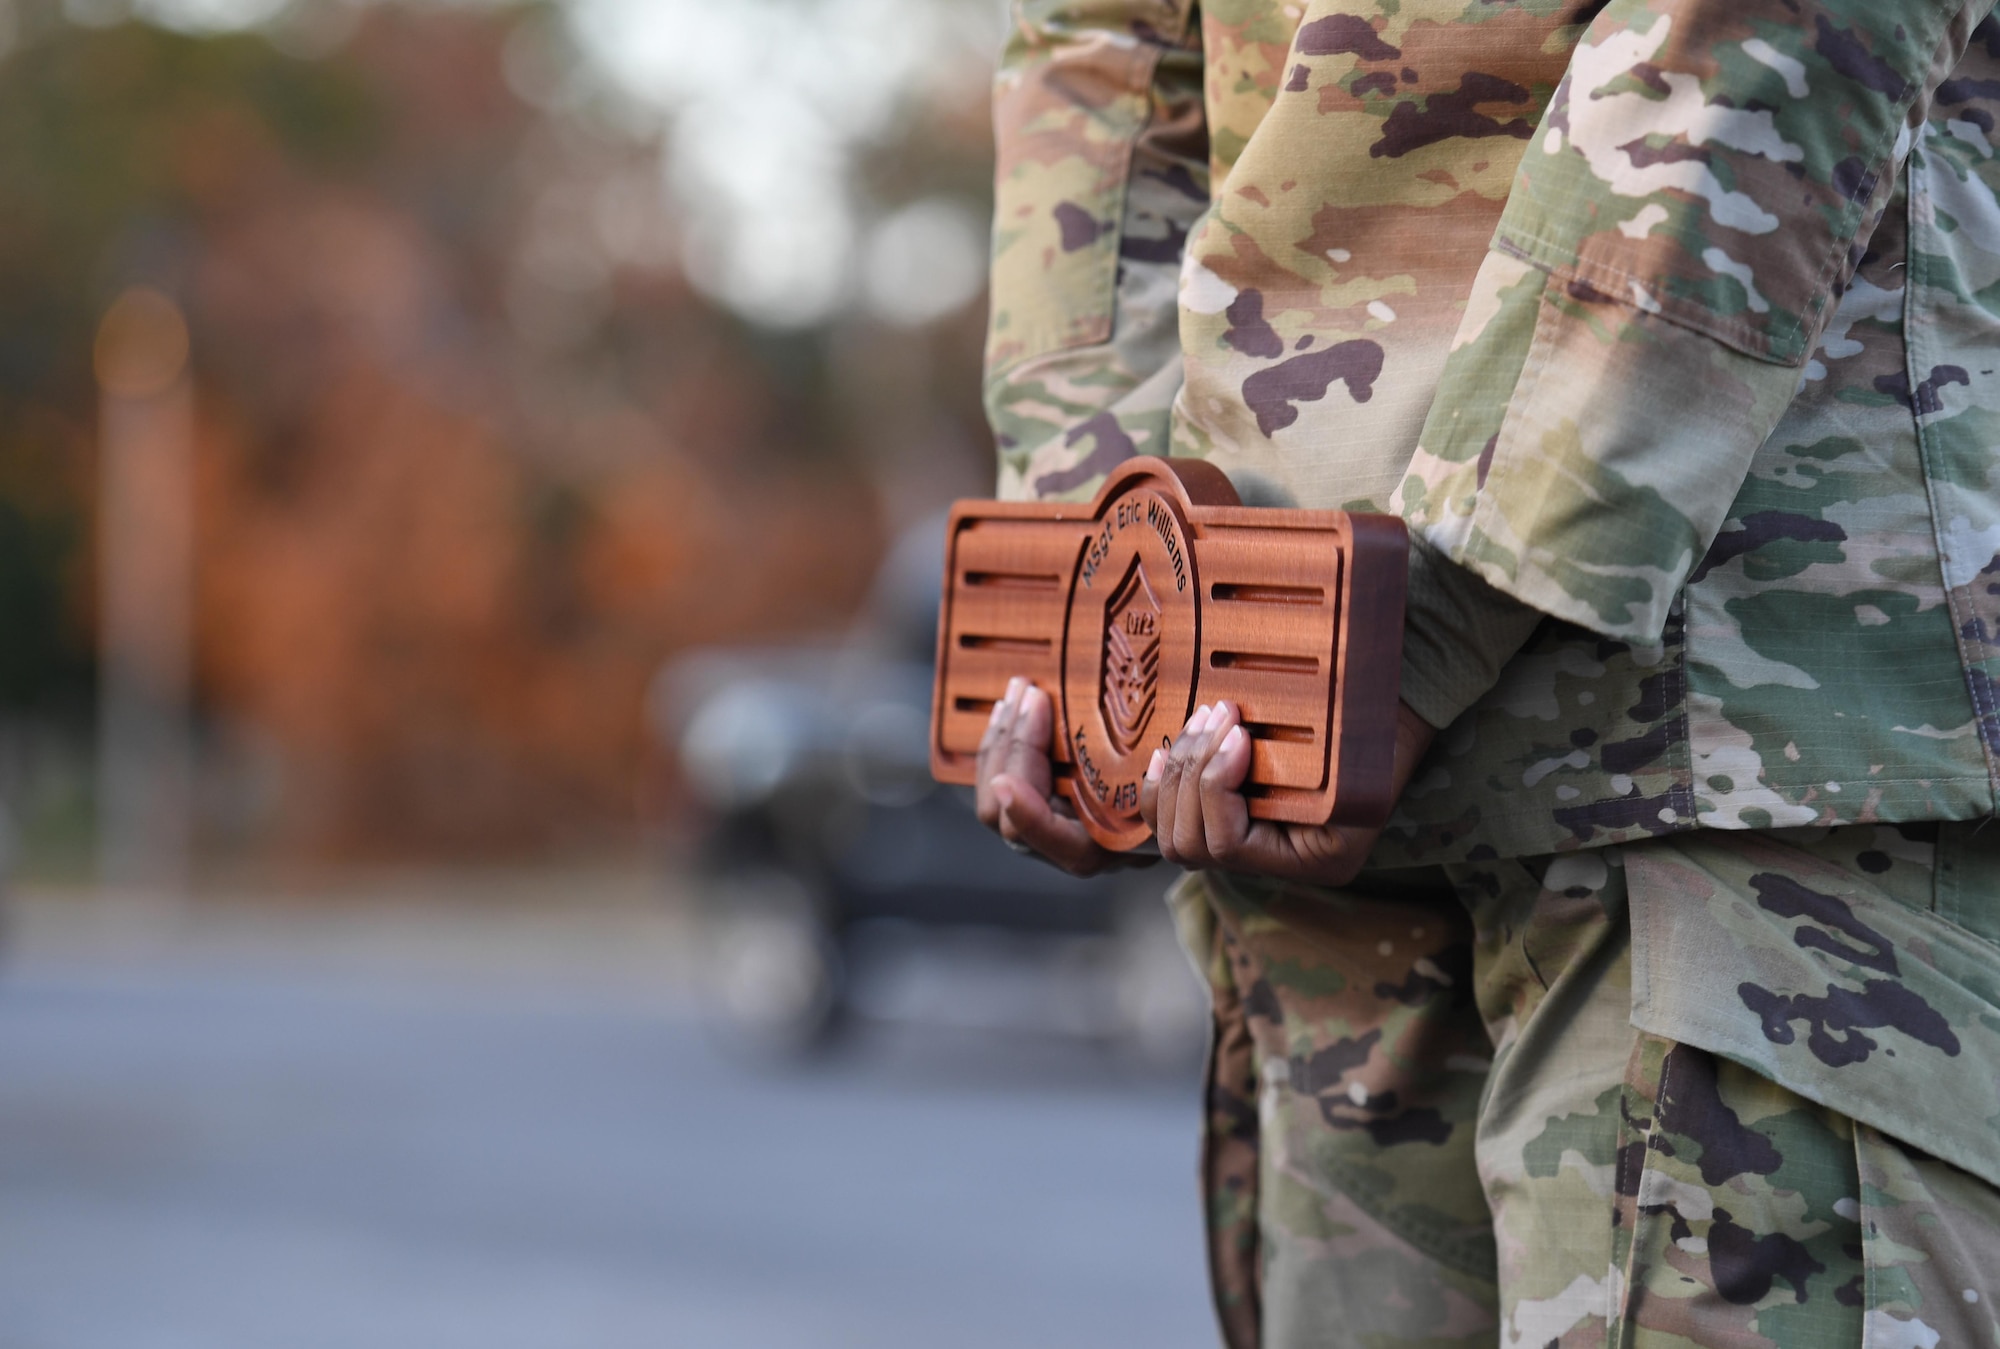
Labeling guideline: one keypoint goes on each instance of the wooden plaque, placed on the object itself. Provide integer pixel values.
(1163, 594)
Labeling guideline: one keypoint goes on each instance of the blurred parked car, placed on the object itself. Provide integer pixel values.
(837, 878)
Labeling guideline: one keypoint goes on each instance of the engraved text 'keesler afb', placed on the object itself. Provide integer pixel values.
(1163, 594)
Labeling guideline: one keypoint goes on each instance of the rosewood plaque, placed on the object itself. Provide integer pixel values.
(1162, 594)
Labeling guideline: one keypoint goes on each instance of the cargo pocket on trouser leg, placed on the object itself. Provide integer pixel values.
(1737, 1211)
(1368, 1062)
(1358, 1250)
(1931, 1236)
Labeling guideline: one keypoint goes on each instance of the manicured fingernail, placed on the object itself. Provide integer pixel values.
(998, 708)
(1014, 689)
(1003, 791)
(1156, 766)
(1199, 721)
(1234, 740)
(1224, 710)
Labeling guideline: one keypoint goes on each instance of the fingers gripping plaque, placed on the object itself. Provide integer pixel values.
(1162, 594)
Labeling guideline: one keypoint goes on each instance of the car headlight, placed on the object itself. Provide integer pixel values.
(740, 746)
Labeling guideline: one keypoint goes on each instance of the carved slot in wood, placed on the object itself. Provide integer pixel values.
(1013, 580)
(1036, 646)
(1233, 593)
(1264, 662)
(1286, 735)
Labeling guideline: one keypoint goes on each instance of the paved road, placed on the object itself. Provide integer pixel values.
(256, 1152)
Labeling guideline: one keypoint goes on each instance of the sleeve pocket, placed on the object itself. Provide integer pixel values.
(1066, 119)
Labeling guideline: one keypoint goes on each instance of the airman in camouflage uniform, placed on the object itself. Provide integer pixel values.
(1668, 1008)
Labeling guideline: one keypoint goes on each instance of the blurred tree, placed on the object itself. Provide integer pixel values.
(92, 189)
(473, 455)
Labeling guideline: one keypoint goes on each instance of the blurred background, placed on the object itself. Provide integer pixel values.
(471, 475)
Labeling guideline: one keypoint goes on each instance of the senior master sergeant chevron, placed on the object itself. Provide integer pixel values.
(1667, 1009)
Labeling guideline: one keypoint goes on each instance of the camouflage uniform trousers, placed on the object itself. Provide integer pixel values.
(1433, 1122)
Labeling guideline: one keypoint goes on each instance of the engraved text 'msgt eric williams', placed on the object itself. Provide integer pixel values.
(1159, 517)
(1164, 592)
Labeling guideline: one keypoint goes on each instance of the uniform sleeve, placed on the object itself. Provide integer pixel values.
(1458, 634)
(1103, 170)
(1692, 205)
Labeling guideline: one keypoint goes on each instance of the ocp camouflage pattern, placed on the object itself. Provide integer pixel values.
(1343, 1093)
(1778, 645)
(1547, 1102)
(1675, 324)
(1817, 1172)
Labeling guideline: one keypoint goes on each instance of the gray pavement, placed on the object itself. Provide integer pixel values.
(270, 1133)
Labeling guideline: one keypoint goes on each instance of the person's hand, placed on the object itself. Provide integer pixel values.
(1017, 786)
(1193, 799)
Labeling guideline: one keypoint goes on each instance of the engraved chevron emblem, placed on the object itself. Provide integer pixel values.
(1131, 660)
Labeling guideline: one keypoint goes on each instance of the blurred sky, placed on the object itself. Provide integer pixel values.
(767, 102)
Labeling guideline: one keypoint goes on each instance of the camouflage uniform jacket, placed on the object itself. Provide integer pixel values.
(1677, 320)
